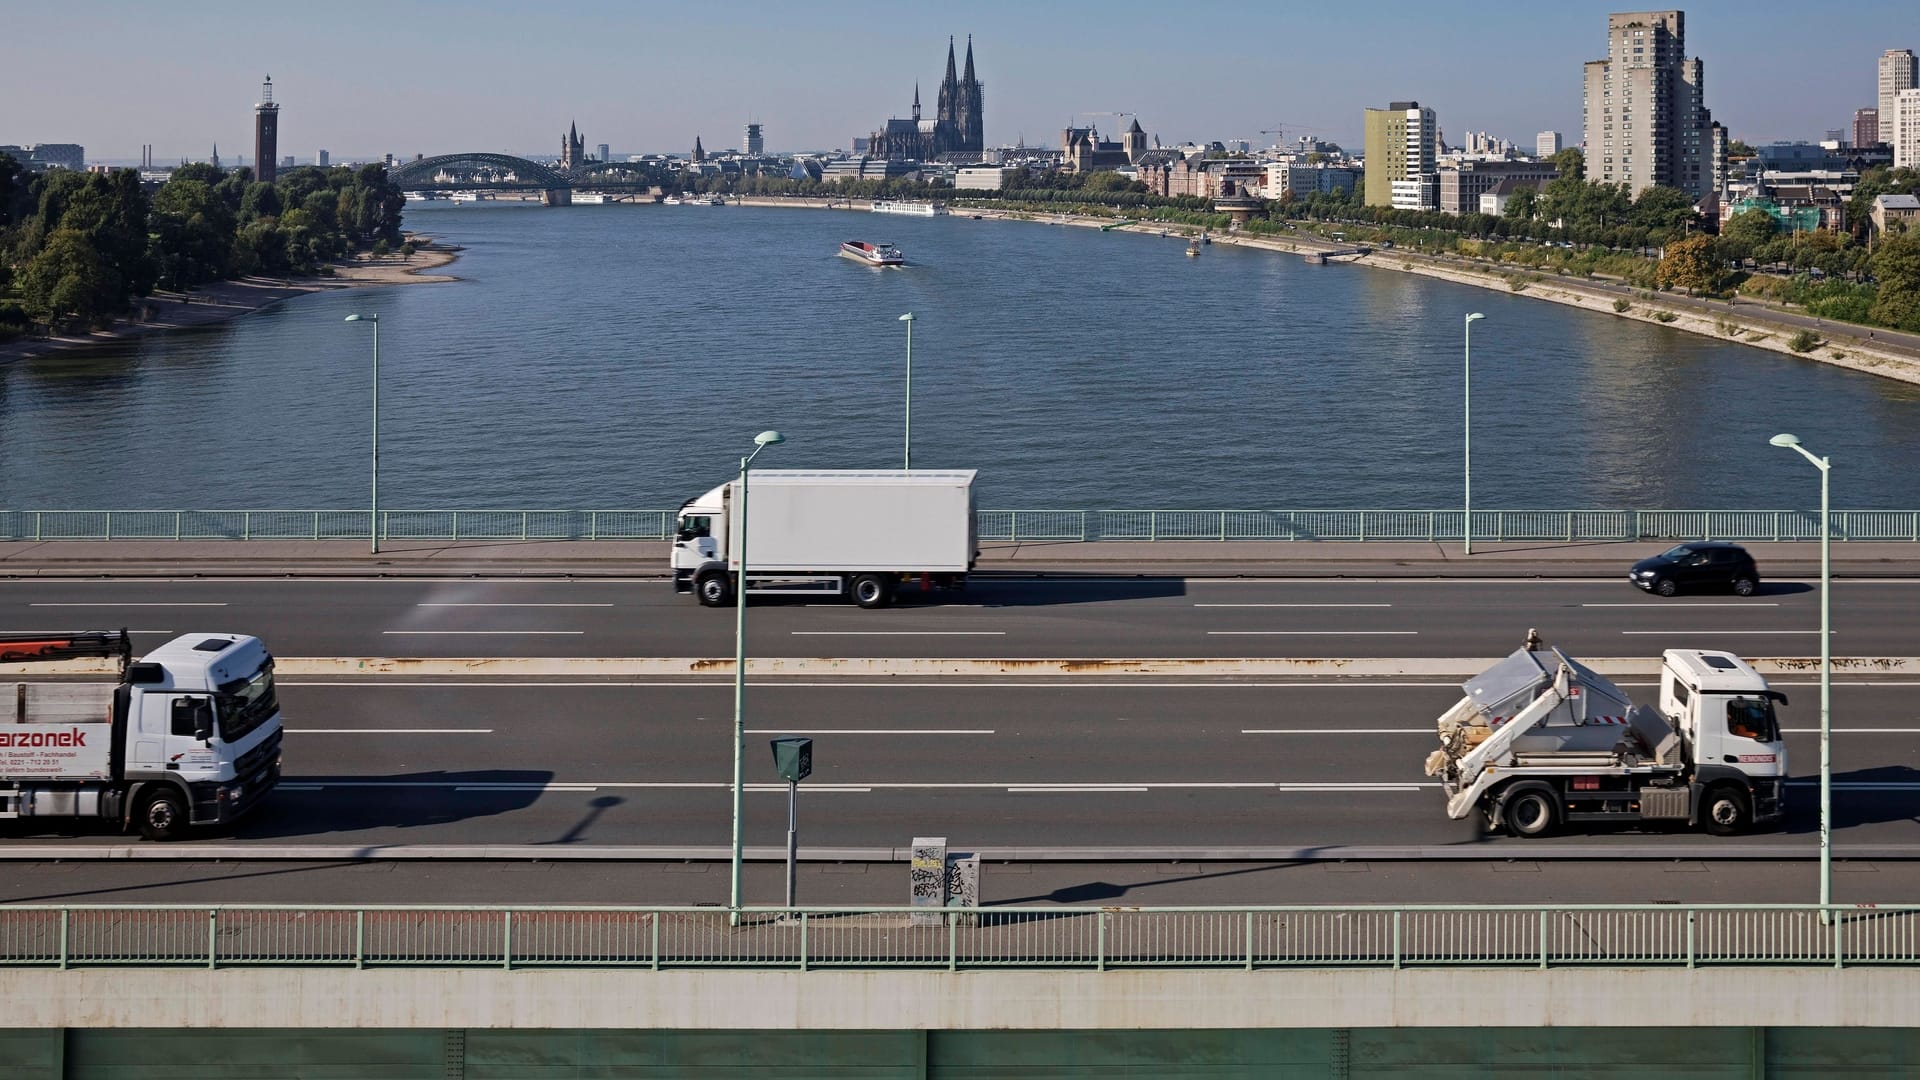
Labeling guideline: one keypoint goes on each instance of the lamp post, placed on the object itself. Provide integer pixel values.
(760, 442)
(373, 500)
(1466, 528)
(908, 319)
(1825, 465)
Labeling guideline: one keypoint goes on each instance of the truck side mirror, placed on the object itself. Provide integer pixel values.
(192, 717)
(203, 720)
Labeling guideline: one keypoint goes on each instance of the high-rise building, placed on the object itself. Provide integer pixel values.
(1866, 127)
(606, 152)
(1899, 70)
(753, 145)
(266, 134)
(1906, 129)
(323, 159)
(1644, 115)
(1546, 144)
(1403, 157)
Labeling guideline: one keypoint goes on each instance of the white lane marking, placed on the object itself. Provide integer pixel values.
(1311, 633)
(781, 789)
(390, 731)
(419, 633)
(803, 730)
(1684, 630)
(1294, 605)
(1653, 605)
(1853, 730)
(524, 787)
(69, 631)
(1070, 790)
(1337, 731)
(514, 605)
(899, 633)
(1334, 682)
(183, 603)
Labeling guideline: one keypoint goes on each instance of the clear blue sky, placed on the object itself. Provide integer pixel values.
(435, 76)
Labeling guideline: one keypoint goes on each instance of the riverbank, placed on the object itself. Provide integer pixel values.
(1746, 323)
(221, 301)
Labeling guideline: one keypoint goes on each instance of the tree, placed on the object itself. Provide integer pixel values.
(1522, 204)
(1663, 209)
(260, 201)
(1747, 233)
(192, 241)
(1689, 264)
(1571, 162)
(69, 281)
(1896, 265)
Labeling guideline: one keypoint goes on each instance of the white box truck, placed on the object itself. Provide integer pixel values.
(189, 735)
(854, 533)
(1541, 740)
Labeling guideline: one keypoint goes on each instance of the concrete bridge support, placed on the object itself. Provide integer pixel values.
(559, 196)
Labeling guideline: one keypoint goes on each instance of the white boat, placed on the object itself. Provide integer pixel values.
(912, 209)
(586, 198)
(714, 200)
(465, 196)
(671, 200)
(881, 254)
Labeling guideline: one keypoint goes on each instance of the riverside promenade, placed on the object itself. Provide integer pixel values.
(648, 559)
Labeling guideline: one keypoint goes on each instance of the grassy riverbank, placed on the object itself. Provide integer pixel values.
(217, 302)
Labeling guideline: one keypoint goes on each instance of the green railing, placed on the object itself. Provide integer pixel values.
(1635, 935)
(993, 525)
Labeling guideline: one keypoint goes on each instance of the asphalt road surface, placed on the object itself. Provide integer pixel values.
(1082, 617)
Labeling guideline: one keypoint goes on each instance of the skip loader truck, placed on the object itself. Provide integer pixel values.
(189, 735)
(1541, 741)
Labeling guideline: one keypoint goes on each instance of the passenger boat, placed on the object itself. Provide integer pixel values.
(912, 209)
(882, 254)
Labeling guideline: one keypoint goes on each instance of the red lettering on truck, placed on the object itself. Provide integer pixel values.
(42, 739)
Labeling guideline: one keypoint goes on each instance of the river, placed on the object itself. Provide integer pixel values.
(625, 356)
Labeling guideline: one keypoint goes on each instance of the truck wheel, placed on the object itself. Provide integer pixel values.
(870, 590)
(1530, 813)
(1725, 811)
(1743, 586)
(1665, 587)
(163, 816)
(714, 588)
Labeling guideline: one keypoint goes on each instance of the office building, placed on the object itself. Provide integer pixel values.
(323, 159)
(1462, 185)
(1906, 129)
(1546, 144)
(1301, 179)
(606, 153)
(266, 134)
(1866, 127)
(755, 144)
(1644, 115)
(1403, 155)
(1899, 70)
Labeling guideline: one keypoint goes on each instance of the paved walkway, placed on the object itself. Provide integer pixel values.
(648, 559)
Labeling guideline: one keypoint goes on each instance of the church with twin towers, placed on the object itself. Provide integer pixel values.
(957, 128)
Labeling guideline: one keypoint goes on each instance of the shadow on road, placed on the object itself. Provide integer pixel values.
(307, 806)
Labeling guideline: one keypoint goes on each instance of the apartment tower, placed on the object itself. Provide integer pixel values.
(1899, 70)
(1403, 157)
(754, 145)
(1644, 114)
(1866, 127)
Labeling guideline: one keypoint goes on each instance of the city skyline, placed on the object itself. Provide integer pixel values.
(487, 76)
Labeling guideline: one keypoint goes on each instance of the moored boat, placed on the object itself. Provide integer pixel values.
(881, 254)
(912, 209)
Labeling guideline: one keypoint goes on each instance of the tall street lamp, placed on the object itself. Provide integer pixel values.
(373, 500)
(908, 319)
(760, 442)
(1467, 517)
(1825, 465)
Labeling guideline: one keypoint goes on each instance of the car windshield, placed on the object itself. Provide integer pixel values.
(1680, 552)
(245, 704)
(694, 526)
(1752, 718)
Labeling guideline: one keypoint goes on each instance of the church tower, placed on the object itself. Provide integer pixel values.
(972, 120)
(573, 149)
(699, 152)
(949, 101)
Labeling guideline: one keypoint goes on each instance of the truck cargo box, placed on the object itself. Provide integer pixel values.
(57, 731)
(918, 521)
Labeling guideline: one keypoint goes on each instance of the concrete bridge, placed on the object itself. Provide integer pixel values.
(504, 172)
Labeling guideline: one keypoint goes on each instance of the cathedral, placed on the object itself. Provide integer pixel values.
(956, 130)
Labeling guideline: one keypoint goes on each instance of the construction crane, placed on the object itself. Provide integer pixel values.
(1278, 130)
(1117, 116)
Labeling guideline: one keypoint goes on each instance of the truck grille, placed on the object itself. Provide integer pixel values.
(257, 758)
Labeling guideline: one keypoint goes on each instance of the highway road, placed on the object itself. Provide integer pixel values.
(1077, 617)
(1114, 764)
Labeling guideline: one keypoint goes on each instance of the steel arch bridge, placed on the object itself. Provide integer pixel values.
(422, 175)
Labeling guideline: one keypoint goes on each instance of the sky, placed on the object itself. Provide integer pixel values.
(364, 78)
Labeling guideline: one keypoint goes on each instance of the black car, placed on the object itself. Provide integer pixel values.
(1699, 565)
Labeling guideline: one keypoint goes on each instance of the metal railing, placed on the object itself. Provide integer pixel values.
(993, 525)
(952, 939)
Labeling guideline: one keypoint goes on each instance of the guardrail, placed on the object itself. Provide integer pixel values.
(953, 939)
(993, 525)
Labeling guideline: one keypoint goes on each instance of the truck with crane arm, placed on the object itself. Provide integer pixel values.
(1541, 741)
(187, 735)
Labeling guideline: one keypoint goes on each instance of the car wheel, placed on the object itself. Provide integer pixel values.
(163, 816)
(1725, 811)
(1665, 587)
(1744, 586)
(1530, 813)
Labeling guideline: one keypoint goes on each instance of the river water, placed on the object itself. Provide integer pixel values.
(624, 356)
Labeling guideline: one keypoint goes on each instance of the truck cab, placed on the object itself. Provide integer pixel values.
(1724, 711)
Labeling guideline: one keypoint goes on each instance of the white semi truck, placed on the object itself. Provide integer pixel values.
(854, 533)
(1541, 741)
(189, 735)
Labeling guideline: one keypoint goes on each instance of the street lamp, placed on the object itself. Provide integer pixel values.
(760, 442)
(1825, 465)
(373, 500)
(908, 319)
(1466, 530)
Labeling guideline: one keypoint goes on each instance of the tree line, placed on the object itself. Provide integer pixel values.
(77, 248)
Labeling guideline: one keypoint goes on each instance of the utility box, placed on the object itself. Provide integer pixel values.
(793, 758)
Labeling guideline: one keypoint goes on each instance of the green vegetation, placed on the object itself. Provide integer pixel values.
(75, 248)
(1622, 306)
(1804, 341)
(1665, 316)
